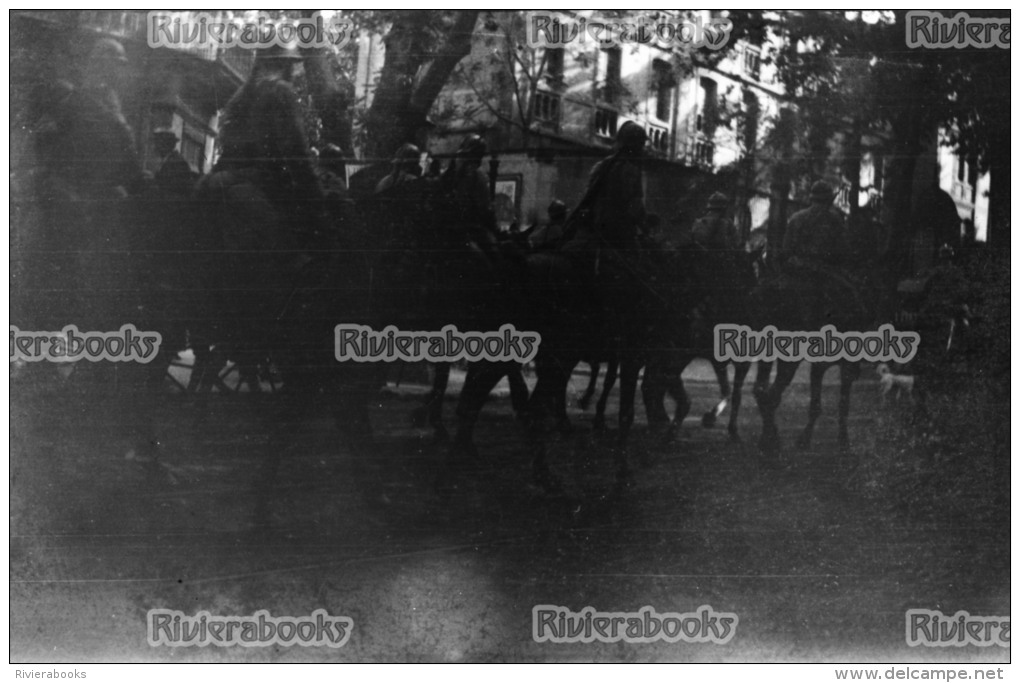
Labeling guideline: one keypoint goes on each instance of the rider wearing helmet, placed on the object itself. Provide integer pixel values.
(816, 237)
(616, 193)
(406, 168)
(470, 194)
(815, 250)
(713, 230)
(263, 133)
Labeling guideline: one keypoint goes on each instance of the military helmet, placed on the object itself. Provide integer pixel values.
(821, 190)
(108, 49)
(473, 147)
(407, 153)
(165, 132)
(718, 201)
(332, 152)
(557, 210)
(631, 135)
(277, 53)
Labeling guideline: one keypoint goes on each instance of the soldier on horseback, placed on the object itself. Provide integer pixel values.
(713, 230)
(613, 208)
(89, 168)
(816, 237)
(815, 251)
(467, 187)
(264, 143)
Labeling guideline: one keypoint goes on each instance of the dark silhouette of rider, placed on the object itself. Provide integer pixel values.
(816, 237)
(816, 250)
(714, 231)
(263, 141)
(471, 198)
(174, 174)
(551, 233)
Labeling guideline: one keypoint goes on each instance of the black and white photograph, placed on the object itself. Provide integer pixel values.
(511, 336)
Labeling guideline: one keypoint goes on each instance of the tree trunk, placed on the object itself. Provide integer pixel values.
(332, 99)
(901, 221)
(412, 78)
(998, 235)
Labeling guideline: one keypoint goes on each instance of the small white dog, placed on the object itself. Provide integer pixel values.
(898, 385)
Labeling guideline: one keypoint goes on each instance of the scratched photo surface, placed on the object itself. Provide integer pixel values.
(510, 336)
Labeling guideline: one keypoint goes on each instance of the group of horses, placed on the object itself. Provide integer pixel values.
(231, 283)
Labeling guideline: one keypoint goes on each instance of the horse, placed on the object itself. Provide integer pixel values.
(808, 299)
(726, 302)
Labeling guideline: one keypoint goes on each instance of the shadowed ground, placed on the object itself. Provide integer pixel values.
(815, 567)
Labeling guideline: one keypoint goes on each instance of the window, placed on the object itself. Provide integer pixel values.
(193, 147)
(708, 116)
(752, 112)
(664, 83)
(658, 139)
(605, 122)
(547, 108)
(752, 62)
(610, 65)
(554, 65)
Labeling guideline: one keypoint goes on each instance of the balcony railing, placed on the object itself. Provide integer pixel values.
(547, 110)
(700, 152)
(658, 138)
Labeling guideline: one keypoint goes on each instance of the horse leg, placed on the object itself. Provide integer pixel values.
(653, 391)
(721, 376)
(675, 387)
(431, 410)
(553, 376)
(593, 379)
(848, 374)
(519, 390)
(557, 395)
(815, 407)
(612, 369)
(740, 371)
(629, 369)
(768, 403)
(481, 379)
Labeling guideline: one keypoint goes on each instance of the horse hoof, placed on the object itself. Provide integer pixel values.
(803, 442)
(599, 425)
(564, 427)
(708, 420)
(583, 403)
(735, 436)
